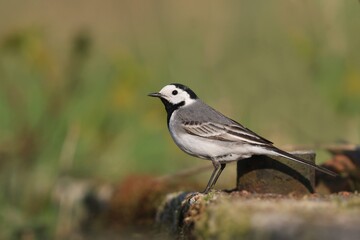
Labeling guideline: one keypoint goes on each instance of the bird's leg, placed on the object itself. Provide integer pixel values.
(218, 168)
(222, 166)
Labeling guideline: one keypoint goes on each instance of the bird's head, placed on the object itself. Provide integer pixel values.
(175, 95)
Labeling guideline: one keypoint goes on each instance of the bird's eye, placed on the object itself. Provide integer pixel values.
(174, 92)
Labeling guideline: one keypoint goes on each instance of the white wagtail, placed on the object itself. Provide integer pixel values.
(203, 132)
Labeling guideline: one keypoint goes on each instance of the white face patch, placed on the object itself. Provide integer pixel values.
(176, 95)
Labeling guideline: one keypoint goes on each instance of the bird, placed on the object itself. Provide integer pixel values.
(203, 132)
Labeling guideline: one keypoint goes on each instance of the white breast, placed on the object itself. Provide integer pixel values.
(209, 148)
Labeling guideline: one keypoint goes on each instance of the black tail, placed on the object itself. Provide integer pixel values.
(303, 161)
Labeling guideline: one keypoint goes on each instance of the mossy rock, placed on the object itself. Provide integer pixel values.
(242, 215)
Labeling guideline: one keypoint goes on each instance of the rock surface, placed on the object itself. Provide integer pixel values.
(242, 215)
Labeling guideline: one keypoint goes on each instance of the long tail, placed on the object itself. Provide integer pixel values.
(300, 160)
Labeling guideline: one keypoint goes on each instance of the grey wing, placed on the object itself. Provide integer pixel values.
(241, 127)
(224, 132)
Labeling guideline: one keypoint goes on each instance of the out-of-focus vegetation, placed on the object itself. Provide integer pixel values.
(74, 78)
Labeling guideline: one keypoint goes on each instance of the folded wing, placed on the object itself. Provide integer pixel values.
(224, 132)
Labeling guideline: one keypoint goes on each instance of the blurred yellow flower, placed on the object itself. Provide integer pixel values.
(352, 84)
(123, 96)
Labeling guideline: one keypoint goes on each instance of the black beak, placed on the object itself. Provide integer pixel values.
(159, 95)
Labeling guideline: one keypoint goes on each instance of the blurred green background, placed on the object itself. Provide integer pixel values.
(74, 76)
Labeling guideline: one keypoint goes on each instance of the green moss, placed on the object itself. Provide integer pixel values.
(222, 221)
(219, 215)
(353, 202)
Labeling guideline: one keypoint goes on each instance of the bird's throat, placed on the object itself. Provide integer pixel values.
(170, 107)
